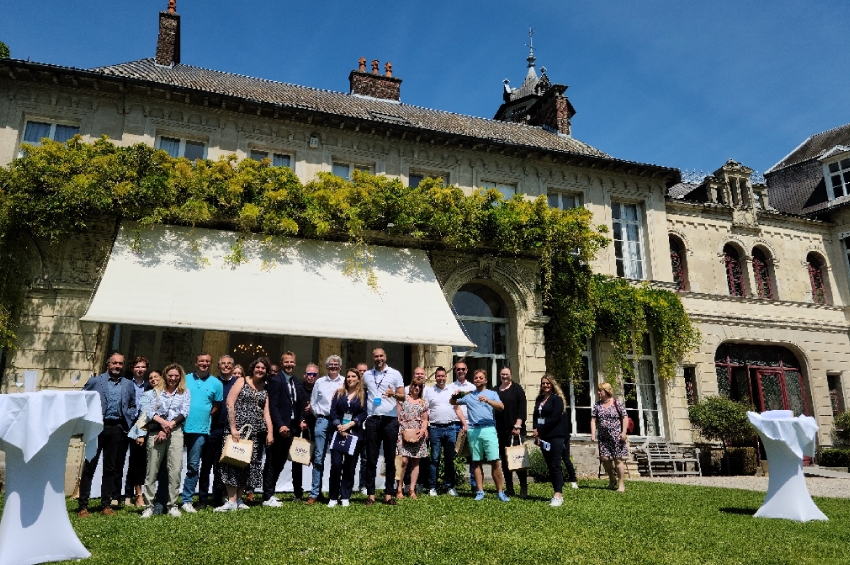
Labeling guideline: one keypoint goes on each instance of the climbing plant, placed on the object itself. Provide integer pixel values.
(55, 189)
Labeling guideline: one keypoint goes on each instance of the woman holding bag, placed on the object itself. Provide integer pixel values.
(348, 412)
(412, 436)
(510, 428)
(166, 413)
(247, 406)
(550, 431)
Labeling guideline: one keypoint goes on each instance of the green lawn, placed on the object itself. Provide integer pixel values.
(650, 523)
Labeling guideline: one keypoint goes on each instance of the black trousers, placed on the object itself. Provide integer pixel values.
(381, 431)
(136, 468)
(341, 477)
(505, 440)
(210, 462)
(275, 460)
(565, 455)
(112, 443)
(553, 459)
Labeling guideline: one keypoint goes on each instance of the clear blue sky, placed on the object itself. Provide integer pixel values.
(678, 83)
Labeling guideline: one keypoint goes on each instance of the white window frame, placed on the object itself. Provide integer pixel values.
(270, 154)
(351, 168)
(640, 241)
(560, 197)
(591, 384)
(640, 424)
(837, 160)
(427, 174)
(53, 125)
(507, 189)
(181, 152)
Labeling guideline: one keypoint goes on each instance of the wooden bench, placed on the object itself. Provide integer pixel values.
(667, 459)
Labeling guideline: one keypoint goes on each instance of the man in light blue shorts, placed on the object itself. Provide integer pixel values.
(483, 441)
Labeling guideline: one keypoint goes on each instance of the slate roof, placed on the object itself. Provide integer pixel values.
(680, 190)
(814, 147)
(346, 105)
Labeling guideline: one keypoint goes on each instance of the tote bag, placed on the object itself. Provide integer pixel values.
(517, 456)
(238, 453)
(301, 450)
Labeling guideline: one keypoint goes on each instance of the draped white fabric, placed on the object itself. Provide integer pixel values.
(181, 277)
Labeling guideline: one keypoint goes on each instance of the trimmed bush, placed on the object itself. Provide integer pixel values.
(834, 457)
(841, 430)
(742, 460)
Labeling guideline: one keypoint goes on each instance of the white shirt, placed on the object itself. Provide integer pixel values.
(440, 410)
(323, 393)
(377, 382)
(467, 387)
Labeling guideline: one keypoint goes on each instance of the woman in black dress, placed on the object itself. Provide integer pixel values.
(510, 427)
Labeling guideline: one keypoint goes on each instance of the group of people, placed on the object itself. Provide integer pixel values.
(352, 416)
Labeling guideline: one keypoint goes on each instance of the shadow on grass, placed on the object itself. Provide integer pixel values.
(741, 511)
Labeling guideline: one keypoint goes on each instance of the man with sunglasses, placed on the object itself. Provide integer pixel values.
(320, 403)
(311, 375)
(463, 385)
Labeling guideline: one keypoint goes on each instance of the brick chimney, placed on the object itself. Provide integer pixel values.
(168, 43)
(553, 110)
(385, 87)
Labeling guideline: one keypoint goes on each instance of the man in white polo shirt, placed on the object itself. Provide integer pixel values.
(444, 423)
(384, 390)
(320, 404)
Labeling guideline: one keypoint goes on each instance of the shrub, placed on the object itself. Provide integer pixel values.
(841, 430)
(721, 419)
(742, 460)
(834, 457)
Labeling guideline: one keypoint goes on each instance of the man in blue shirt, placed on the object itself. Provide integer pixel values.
(138, 453)
(483, 440)
(118, 402)
(205, 394)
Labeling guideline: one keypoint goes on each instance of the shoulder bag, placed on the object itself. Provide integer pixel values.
(630, 424)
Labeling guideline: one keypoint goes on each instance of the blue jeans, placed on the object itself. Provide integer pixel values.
(320, 437)
(442, 436)
(194, 446)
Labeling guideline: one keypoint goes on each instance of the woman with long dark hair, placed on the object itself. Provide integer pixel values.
(550, 431)
(348, 412)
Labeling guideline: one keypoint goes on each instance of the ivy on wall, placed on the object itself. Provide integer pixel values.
(55, 190)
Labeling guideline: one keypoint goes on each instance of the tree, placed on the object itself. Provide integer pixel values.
(721, 419)
(4, 51)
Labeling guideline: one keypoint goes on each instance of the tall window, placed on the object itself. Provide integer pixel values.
(344, 170)
(582, 396)
(761, 272)
(507, 190)
(690, 385)
(836, 395)
(734, 272)
(643, 395)
(34, 132)
(563, 200)
(839, 178)
(277, 159)
(677, 262)
(627, 240)
(816, 277)
(187, 148)
(483, 315)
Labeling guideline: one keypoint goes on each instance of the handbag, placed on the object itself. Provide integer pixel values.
(462, 445)
(301, 450)
(238, 453)
(517, 456)
(630, 424)
(410, 435)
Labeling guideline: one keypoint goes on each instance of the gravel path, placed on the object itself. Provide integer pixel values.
(818, 486)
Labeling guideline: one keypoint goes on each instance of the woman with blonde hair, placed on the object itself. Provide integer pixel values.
(166, 413)
(608, 425)
(348, 412)
(551, 430)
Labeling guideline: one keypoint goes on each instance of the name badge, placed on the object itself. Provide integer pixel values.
(541, 421)
(346, 418)
(376, 401)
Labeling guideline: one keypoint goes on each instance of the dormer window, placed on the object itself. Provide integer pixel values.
(837, 178)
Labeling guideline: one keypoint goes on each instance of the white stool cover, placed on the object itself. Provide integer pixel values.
(786, 440)
(35, 430)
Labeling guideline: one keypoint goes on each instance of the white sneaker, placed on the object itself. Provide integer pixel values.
(174, 512)
(556, 501)
(148, 512)
(332, 503)
(574, 485)
(363, 491)
(273, 502)
(226, 507)
(452, 492)
(433, 492)
(345, 503)
(189, 508)
(242, 506)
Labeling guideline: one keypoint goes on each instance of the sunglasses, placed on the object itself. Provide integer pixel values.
(312, 374)
(460, 370)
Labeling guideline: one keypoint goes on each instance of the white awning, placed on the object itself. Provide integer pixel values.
(179, 277)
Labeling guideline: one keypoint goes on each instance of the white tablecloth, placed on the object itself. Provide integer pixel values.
(35, 430)
(786, 441)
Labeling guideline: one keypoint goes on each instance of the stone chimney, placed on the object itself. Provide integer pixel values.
(168, 43)
(385, 87)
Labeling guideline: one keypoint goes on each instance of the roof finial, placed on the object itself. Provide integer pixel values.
(531, 58)
(172, 6)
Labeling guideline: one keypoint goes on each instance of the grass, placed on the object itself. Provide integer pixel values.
(650, 523)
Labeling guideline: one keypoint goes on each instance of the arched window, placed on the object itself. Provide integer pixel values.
(734, 272)
(761, 272)
(816, 277)
(677, 261)
(484, 316)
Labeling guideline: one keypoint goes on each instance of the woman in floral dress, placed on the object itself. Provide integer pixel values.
(608, 425)
(412, 416)
(247, 405)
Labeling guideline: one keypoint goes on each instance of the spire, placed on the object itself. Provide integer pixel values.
(172, 6)
(531, 58)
